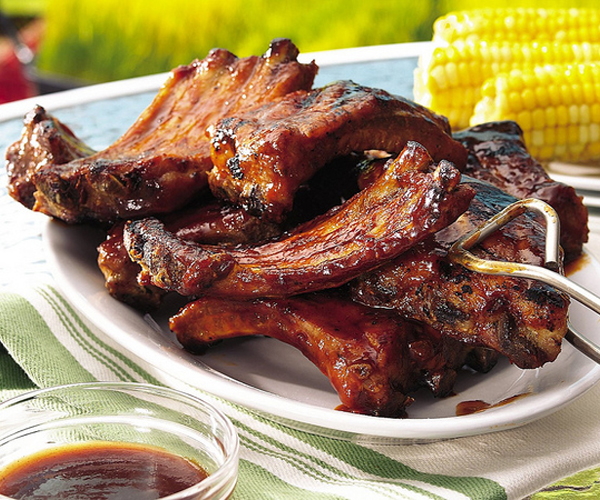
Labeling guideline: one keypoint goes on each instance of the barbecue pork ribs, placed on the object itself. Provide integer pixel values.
(402, 207)
(522, 319)
(365, 289)
(44, 141)
(373, 358)
(161, 162)
(262, 157)
(210, 222)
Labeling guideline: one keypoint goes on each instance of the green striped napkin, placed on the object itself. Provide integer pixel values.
(46, 342)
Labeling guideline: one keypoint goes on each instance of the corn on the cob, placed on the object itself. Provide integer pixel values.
(557, 106)
(449, 78)
(519, 25)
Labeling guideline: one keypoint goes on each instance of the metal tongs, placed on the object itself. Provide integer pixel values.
(549, 274)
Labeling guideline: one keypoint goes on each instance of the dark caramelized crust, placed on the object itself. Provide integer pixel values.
(498, 155)
(372, 358)
(262, 157)
(522, 319)
(162, 161)
(401, 208)
(210, 223)
(44, 141)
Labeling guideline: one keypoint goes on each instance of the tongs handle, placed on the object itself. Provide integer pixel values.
(459, 252)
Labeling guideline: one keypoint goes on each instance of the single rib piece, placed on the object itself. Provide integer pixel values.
(498, 155)
(373, 358)
(523, 319)
(262, 157)
(120, 273)
(401, 208)
(161, 162)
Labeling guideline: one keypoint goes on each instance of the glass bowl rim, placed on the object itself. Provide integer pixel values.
(218, 477)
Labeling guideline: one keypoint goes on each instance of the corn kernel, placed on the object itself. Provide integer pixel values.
(538, 118)
(528, 97)
(555, 96)
(514, 102)
(595, 112)
(561, 135)
(551, 118)
(573, 111)
(566, 93)
(524, 120)
(438, 77)
(541, 96)
(452, 74)
(550, 136)
(594, 131)
(584, 134)
(545, 153)
(562, 115)
(502, 103)
(537, 138)
(585, 114)
(560, 150)
(573, 134)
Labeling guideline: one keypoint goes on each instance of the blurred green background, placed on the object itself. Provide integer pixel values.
(102, 40)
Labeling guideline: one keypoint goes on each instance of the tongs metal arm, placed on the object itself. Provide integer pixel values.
(460, 253)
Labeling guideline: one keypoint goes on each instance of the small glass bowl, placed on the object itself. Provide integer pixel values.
(127, 413)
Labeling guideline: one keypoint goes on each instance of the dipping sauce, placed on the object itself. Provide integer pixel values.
(99, 470)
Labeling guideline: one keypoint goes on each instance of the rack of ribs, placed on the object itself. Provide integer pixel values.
(373, 358)
(262, 157)
(402, 207)
(522, 319)
(161, 162)
(213, 222)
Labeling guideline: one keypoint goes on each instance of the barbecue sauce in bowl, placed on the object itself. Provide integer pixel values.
(99, 470)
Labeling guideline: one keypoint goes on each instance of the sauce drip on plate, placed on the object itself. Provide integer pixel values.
(99, 470)
(475, 406)
(577, 265)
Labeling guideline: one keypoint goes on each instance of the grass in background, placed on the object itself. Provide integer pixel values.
(102, 40)
(113, 39)
(20, 8)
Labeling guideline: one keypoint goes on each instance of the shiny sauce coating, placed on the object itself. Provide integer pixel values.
(99, 470)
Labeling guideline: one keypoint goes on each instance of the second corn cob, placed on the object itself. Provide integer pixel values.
(450, 78)
(557, 106)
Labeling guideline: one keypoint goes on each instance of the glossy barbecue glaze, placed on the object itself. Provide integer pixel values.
(210, 222)
(522, 319)
(161, 162)
(262, 157)
(373, 357)
(401, 208)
